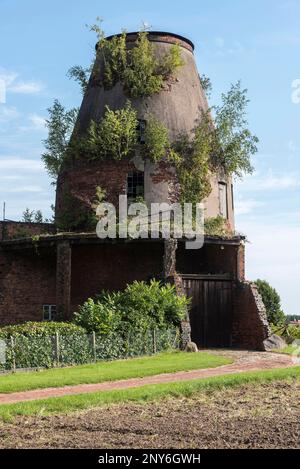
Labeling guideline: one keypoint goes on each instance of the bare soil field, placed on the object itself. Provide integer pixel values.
(252, 416)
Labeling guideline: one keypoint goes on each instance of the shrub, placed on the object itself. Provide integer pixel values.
(101, 317)
(272, 302)
(139, 307)
(115, 135)
(215, 226)
(138, 69)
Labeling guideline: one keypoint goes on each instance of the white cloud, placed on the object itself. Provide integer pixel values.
(273, 255)
(37, 121)
(224, 49)
(20, 189)
(8, 113)
(13, 163)
(270, 182)
(14, 85)
(8, 77)
(22, 87)
(246, 206)
(291, 146)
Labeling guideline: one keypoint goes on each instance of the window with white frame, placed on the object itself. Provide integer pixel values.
(49, 312)
(223, 204)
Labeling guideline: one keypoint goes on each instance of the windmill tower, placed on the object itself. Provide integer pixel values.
(179, 106)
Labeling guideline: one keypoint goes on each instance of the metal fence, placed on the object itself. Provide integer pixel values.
(47, 351)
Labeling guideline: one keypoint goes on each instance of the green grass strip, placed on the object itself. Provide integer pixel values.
(170, 362)
(67, 404)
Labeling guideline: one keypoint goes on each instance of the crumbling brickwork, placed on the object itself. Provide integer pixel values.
(250, 325)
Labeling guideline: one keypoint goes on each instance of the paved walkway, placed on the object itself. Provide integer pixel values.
(244, 361)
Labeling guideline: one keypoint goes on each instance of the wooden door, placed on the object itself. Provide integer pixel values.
(210, 312)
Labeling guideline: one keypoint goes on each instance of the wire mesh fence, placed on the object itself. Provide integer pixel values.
(48, 351)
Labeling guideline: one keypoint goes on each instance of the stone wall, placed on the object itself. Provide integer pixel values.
(250, 325)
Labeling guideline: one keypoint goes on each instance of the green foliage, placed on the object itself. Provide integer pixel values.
(60, 127)
(32, 216)
(137, 68)
(215, 226)
(193, 162)
(75, 216)
(102, 318)
(141, 77)
(287, 331)
(234, 143)
(140, 307)
(206, 84)
(115, 135)
(272, 302)
(171, 61)
(157, 142)
(40, 328)
(28, 216)
(81, 75)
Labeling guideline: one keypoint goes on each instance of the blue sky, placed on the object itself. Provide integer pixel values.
(257, 41)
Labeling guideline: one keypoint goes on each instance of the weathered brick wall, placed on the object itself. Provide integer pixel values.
(15, 230)
(81, 183)
(250, 325)
(27, 281)
(112, 267)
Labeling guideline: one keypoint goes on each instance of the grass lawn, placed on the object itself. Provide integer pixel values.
(289, 350)
(66, 404)
(110, 371)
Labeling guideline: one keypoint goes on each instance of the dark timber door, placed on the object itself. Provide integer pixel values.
(211, 311)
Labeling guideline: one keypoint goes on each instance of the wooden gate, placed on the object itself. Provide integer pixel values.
(210, 311)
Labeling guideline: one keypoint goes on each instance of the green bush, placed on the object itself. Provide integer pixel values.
(101, 317)
(140, 307)
(137, 68)
(115, 135)
(272, 302)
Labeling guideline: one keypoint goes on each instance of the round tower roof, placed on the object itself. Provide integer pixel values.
(160, 36)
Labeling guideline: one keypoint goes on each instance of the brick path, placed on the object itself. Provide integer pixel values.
(244, 361)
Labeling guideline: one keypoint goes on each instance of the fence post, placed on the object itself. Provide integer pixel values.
(154, 340)
(12, 343)
(57, 348)
(94, 346)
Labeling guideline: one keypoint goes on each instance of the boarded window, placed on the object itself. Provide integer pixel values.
(223, 206)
